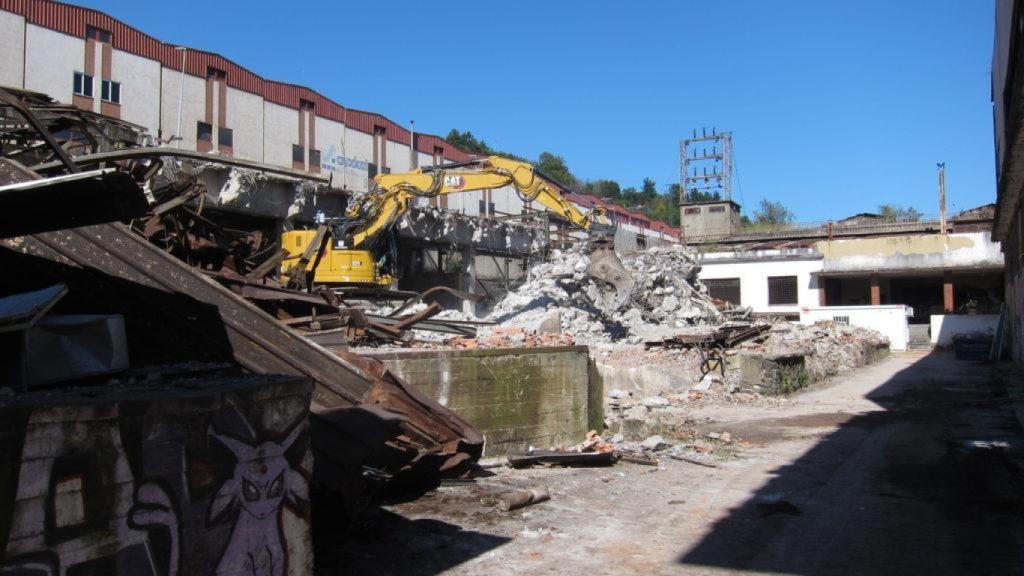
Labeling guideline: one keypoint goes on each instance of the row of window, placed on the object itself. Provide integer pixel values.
(782, 290)
(110, 91)
(299, 152)
(225, 136)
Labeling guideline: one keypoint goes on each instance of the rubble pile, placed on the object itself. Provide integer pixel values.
(511, 337)
(667, 297)
(827, 348)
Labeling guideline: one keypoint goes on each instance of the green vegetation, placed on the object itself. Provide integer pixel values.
(893, 213)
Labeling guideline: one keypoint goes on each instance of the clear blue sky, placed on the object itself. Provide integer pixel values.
(835, 107)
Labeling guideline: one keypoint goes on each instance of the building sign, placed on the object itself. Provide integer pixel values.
(351, 172)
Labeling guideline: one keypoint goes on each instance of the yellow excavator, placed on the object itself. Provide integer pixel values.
(336, 254)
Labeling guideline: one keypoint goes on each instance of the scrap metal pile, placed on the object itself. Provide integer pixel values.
(64, 224)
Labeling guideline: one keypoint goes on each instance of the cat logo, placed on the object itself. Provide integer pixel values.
(456, 182)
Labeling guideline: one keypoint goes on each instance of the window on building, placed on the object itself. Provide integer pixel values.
(314, 157)
(111, 91)
(782, 290)
(225, 137)
(483, 207)
(716, 209)
(98, 34)
(204, 131)
(83, 84)
(727, 289)
(691, 211)
(298, 153)
(216, 73)
(305, 105)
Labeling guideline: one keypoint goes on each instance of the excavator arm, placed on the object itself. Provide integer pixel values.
(382, 207)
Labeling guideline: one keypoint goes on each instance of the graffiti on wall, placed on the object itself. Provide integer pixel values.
(168, 488)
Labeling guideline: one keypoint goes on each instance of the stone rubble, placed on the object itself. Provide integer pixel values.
(667, 298)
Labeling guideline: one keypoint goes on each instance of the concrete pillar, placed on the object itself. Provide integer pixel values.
(948, 303)
(822, 282)
(876, 291)
(469, 278)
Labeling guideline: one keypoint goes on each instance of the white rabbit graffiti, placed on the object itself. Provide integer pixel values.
(262, 480)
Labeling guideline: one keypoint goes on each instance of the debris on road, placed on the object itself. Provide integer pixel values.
(516, 499)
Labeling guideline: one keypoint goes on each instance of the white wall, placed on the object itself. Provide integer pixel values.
(281, 131)
(51, 60)
(245, 118)
(193, 106)
(945, 326)
(12, 49)
(398, 157)
(889, 320)
(754, 281)
(140, 89)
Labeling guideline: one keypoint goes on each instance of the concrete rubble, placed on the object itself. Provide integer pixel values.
(667, 297)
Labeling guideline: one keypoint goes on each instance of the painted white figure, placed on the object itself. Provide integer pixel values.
(262, 480)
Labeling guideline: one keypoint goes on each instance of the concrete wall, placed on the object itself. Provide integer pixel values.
(12, 49)
(157, 480)
(972, 250)
(281, 129)
(753, 273)
(945, 326)
(245, 118)
(890, 320)
(51, 60)
(517, 398)
(193, 106)
(140, 89)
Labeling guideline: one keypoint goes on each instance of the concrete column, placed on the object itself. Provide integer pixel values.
(822, 299)
(876, 291)
(469, 278)
(215, 119)
(97, 78)
(948, 303)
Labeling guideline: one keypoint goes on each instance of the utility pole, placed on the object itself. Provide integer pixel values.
(942, 196)
(181, 94)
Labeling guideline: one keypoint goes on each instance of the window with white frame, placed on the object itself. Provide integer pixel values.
(83, 84)
(111, 91)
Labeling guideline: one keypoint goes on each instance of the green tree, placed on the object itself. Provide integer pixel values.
(554, 167)
(893, 213)
(703, 196)
(648, 191)
(772, 214)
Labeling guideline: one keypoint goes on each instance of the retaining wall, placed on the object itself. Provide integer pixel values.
(517, 397)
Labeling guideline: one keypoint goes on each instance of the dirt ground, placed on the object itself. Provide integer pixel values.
(909, 466)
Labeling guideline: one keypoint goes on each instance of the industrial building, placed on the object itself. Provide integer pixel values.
(857, 261)
(198, 100)
(1008, 228)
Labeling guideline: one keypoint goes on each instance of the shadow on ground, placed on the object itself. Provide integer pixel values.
(931, 485)
(384, 543)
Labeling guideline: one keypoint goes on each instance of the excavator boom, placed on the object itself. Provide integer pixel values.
(380, 208)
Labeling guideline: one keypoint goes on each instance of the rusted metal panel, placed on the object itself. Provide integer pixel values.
(363, 415)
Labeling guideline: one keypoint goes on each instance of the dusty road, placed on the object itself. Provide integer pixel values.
(910, 466)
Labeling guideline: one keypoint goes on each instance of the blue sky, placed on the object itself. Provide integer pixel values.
(835, 107)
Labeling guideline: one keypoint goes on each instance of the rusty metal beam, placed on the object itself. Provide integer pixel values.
(163, 152)
(18, 105)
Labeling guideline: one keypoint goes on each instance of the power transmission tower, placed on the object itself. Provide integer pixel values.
(705, 165)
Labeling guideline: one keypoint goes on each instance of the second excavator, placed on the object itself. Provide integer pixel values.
(340, 255)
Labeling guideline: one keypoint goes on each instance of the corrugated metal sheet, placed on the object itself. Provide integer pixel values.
(73, 20)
